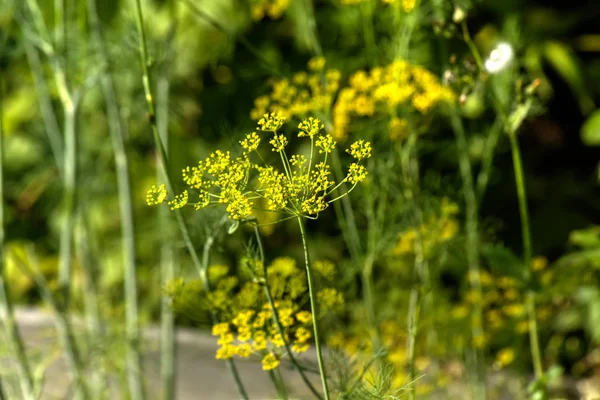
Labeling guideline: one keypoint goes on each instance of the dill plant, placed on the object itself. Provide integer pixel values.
(301, 189)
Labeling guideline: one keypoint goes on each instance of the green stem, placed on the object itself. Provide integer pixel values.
(366, 9)
(63, 325)
(43, 96)
(133, 356)
(162, 154)
(14, 340)
(414, 307)
(275, 376)
(471, 244)
(472, 46)
(410, 172)
(313, 307)
(487, 159)
(312, 27)
(69, 194)
(167, 263)
(95, 329)
(276, 319)
(527, 253)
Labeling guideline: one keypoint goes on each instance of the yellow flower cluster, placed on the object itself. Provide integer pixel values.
(407, 5)
(393, 338)
(310, 91)
(436, 231)
(383, 90)
(503, 304)
(247, 326)
(274, 9)
(301, 188)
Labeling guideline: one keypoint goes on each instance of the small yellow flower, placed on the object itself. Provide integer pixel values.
(360, 150)
(251, 142)
(244, 350)
(179, 201)
(356, 173)
(270, 361)
(279, 142)
(325, 143)
(539, 263)
(316, 63)
(505, 356)
(225, 352)
(220, 329)
(156, 195)
(302, 335)
(300, 347)
(310, 127)
(270, 122)
(304, 317)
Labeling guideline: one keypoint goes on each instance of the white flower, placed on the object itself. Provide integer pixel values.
(499, 58)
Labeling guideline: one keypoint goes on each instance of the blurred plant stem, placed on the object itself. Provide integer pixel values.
(31, 267)
(133, 356)
(168, 255)
(364, 262)
(366, 11)
(13, 336)
(527, 252)
(410, 173)
(275, 376)
(313, 307)
(276, 319)
(471, 250)
(247, 44)
(201, 267)
(488, 157)
(95, 325)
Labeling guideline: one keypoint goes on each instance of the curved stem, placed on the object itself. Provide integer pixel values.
(472, 46)
(313, 307)
(527, 253)
(276, 319)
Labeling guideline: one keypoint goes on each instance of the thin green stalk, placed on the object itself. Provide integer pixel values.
(471, 244)
(133, 356)
(14, 340)
(366, 9)
(202, 269)
(95, 327)
(2, 395)
(487, 159)
(414, 307)
(275, 376)
(68, 206)
(276, 319)
(63, 325)
(266, 64)
(364, 263)
(472, 46)
(527, 253)
(313, 307)
(312, 27)
(167, 260)
(45, 103)
(410, 172)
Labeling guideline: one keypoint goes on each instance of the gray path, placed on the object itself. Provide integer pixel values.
(199, 374)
